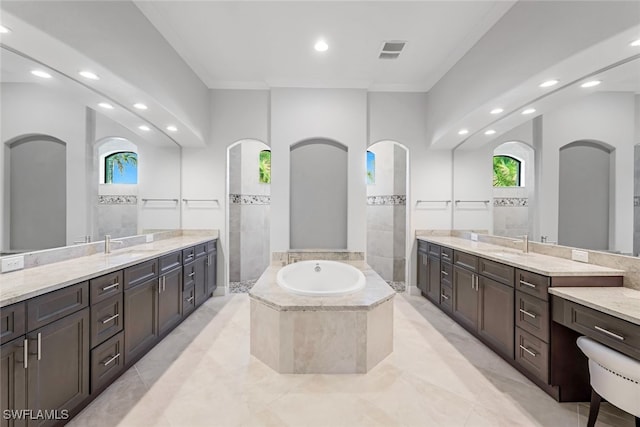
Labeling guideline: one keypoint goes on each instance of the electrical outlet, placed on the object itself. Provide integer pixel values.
(582, 256)
(149, 238)
(12, 263)
(474, 237)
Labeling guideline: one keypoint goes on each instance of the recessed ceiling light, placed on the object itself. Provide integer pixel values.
(4, 30)
(529, 111)
(106, 105)
(490, 132)
(89, 75)
(497, 111)
(321, 46)
(172, 128)
(549, 83)
(463, 131)
(592, 83)
(635, 43)
(40, 73)
(144, 128)
(140, 106)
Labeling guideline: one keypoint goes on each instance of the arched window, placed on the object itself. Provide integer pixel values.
(506, 171)
(121, 168)
(265, 166)
(371, 168)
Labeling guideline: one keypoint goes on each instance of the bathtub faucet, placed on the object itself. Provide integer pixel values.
(317, 268)
(292, 258)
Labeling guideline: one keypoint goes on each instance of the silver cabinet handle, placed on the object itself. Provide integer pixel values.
(190, 299)
(106, 288)
(444, 296)
(39, 346)
(445, 255)
(611, 334)
(159, 285)
(109, 319)
(444, 273)
(208, 259)
(192, 274)
(533, 316)
(164, 283)
(189, 258)
(26, 353)
(531, 285)
(106, 362)
(528, 351)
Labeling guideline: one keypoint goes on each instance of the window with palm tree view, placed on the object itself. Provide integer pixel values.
(371, 168)
(506, 171)
(265, 167)
(121, 168)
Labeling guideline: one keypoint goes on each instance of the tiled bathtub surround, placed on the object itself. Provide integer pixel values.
(117, 200)
(282, 258)
(387, 200)
(510, 202)
(249, 199)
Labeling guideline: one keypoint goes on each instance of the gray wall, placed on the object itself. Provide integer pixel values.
(386, 212)
(583, 214)
(38, 180)
(318, 205)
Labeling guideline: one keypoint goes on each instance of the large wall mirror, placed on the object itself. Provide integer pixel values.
(75, 165)
(568, 175)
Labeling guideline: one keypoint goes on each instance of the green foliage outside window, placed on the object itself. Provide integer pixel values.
(121, 168)
(506, 171)
(265, 167)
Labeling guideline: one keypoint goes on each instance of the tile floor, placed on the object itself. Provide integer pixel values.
(438, 375)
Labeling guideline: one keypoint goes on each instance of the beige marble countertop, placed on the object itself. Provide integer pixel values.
(537, 263)
(375, 292)
(20, 285)
(620, 302)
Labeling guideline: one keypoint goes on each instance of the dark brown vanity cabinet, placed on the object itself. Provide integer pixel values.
(170, 292)
(465, 297)
(423, 274)
(429, 271)
(140, 310)
(212, 258)
(47, 368)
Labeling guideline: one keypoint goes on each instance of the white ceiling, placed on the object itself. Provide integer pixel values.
(260, 44)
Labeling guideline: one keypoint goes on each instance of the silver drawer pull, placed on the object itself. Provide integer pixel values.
(611, 334)
(445, 255)
(534, 354)
(533, 316)
(109, 319)
(531, 285)
(106, 362)
(39, 345)
(445, 273)
(444, 296)
(189, 299)
(106, 288)
(26, 353)
(192, 274)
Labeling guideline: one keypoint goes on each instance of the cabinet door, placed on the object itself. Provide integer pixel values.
(465, 297)
(211, 273)
(140, 319)
(495, 324)
(58, 373)
(170, 300)
(423, 274)
(200, 280)
(13, 393)
(433, 279)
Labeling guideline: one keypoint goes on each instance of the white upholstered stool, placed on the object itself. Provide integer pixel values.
(614, 377)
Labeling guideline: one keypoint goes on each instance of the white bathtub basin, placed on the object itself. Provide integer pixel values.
(320, 278)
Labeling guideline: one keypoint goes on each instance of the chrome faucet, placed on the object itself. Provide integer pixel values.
(525, 243)
(108, 242)
(292, 258)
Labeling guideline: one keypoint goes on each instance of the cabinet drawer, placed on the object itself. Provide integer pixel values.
(446, 273)
(532, 315)
(200, 250)
(140, 273)
(532, 354)
(106, 286)
(616, 333)
(106, 319)
(188, 255)
(13, 322)
(446, 297)
(532, 284)
(107, 362)
(433, 249)
(189, 273)
(422, 247)
(499, 272)
(56, 305)
(446, 254)
(211, 246)
(170, 261)
(465, 260)
(188, 300)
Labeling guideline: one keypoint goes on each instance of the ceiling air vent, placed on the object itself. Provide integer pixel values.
(391, 49)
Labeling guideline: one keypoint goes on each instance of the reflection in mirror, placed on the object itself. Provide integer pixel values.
(62, 180)
(580, 157)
